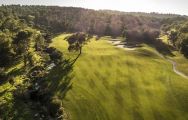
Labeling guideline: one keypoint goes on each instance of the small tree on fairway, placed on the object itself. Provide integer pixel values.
(76, 42)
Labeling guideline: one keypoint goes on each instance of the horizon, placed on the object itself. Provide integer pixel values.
(145, 6)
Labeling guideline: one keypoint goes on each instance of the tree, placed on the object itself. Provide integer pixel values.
(22, 41)
(108, 30)
(183, 43)
(5, 49)
(76, 42)
(173, 37)
(30, 20)
(39, 42)
(48, 37)
(124, 33)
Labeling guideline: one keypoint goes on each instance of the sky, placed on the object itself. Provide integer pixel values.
(160, 6)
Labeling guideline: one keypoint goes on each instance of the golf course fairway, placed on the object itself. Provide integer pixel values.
(110, 83)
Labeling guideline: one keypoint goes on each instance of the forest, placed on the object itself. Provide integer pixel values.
(36, 75)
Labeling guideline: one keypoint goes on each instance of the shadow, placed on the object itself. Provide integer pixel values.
(3, 79)
(160, 46)
(16, 71)
(3, 92)
(7, 77)
(149, 37)
(59, 79)
(133, 44)
(184, 52)
(35, 101)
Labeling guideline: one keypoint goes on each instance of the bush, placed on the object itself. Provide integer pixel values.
(54, 54)
(3, 76)
(183, 38)
(54, 106)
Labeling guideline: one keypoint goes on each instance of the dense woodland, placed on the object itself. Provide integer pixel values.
(56, 20)
(26, 32)
(67, 19)
(23, 44)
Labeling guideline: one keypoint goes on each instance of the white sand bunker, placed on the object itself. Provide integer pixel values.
(120, 44)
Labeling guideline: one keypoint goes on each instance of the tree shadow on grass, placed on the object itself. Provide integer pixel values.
(59, 79)
(35, 101)
(160, 46)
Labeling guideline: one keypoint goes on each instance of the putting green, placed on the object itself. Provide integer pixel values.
(110, 83)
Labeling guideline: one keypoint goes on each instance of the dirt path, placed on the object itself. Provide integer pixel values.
(122, 45)
(173, 66)
(175, 70)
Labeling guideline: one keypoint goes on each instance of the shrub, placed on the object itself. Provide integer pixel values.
(54, 54)
(54, 106)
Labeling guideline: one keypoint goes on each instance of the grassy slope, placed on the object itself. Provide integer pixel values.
(111, 83)
(182, 62)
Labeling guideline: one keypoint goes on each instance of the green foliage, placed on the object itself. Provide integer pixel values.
(22, 36)
(183, 39)
(54, 106)
(6, 53)
(184, 28)
(173, 36)
(124, 32)
(178, 35)
(69, 19)
(54, 54)
(108, 30)
(76, 41)
(24, 66)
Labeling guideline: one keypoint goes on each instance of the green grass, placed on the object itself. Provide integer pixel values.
(110, 83)
(182, 62)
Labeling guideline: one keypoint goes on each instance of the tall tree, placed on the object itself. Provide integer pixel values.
(5, 49)
(22, 41)
(76, 42)
(173, 37)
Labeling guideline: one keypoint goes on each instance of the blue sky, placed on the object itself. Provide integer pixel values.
(161, 6)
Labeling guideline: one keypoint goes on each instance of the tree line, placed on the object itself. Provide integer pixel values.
(54, 19)
(68, 19)
(177, 32)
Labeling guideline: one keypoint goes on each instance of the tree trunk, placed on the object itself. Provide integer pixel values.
(80, 52)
